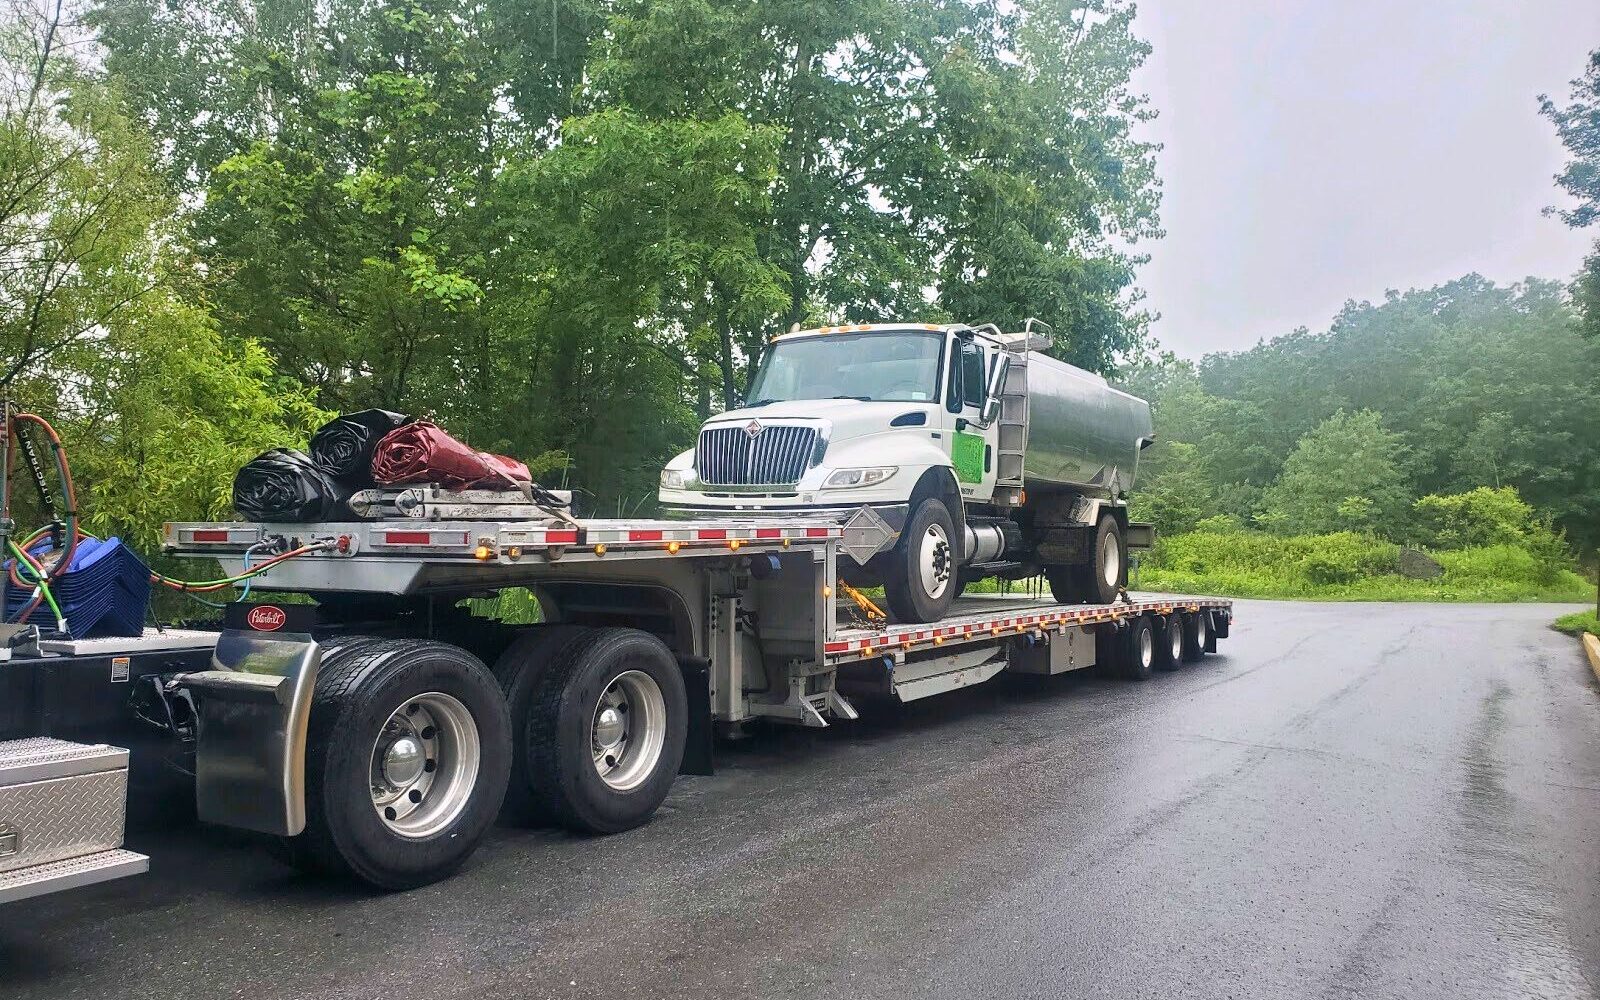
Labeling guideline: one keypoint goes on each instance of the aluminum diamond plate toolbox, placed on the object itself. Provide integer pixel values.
(59, 800)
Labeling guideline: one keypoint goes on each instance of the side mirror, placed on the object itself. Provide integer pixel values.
(997, 384)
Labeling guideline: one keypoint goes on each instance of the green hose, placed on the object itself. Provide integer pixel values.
(40, 582)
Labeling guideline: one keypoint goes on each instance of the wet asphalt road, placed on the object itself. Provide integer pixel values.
(1350, 801)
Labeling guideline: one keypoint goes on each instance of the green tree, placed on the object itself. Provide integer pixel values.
(1578, 126)
(980, 150)
(1347, 468)
(102, 329)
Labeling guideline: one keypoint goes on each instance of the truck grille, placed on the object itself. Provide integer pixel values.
(779, 455)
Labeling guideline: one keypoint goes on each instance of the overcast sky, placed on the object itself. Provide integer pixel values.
(1320, 151)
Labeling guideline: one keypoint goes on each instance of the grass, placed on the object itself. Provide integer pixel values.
(1578, 623)
(1347, 566)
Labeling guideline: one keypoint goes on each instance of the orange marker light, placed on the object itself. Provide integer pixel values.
(673, 547)
(483, 552)
(600, 549)
(734, 543)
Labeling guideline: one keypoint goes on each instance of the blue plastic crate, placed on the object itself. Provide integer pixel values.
(106, 591)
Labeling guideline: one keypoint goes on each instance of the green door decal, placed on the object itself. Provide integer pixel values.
(966, 454)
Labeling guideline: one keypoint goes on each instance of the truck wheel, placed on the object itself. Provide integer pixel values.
(920, 580)
(1100, 581)
(520, 670)
(1138, 651)
(406, 761)
(605, 731)
(1196, 635)
(1169, 645)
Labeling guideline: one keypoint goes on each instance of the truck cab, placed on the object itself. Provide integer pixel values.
(848, 416)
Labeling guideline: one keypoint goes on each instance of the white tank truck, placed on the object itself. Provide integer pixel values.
(954, 452)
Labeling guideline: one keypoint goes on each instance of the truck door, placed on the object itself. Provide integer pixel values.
(972, 446)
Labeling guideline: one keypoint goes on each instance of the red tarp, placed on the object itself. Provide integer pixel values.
(423, 453)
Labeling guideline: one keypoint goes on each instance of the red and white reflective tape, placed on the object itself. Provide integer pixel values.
(421, 538)
(220, 534)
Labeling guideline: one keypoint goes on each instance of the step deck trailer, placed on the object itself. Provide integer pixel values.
(378, 730)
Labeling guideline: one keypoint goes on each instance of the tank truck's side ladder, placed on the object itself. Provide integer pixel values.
(1013, 443)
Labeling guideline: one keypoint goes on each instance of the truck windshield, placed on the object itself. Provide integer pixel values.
(903, 367)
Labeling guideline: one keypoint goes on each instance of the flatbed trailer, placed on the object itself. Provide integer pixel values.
(379, 730)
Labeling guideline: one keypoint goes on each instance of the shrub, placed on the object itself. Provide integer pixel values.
(1219, 524)
(1348, 565)
(1579, 623)
(1483, 516)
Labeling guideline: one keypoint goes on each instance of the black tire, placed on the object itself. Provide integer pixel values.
(1129, 651)
(520, 670)
(908, 598)
(1068, 584)
(1086, 583)
(362, 683)
(564, 782)
(1169, 642)
(1196, 635)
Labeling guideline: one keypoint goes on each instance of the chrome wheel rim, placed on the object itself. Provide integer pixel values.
(628, 730)
(1175, 637)
(935, 561)
(424, 764)
(1111, 562)
(1147, 647)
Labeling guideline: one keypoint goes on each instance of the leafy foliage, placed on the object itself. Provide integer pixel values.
(1343, 474)
(538, 222)
(1578, 126)
(1349, 566)
(1578, 623)
(1463, 385)
(102, 329)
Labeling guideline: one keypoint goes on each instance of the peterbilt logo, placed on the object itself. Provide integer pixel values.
(753, 429)
(266, 618)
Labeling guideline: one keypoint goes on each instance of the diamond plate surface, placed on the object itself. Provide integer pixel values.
(63, 817)
(44, 750)
(55, 876)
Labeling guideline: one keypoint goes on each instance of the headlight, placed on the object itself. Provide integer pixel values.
(841, 479)
(676, 479)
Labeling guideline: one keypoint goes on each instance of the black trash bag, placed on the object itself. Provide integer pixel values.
(285, 485)
(342, 447)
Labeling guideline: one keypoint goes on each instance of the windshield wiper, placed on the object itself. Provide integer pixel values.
(758, 402)
(864, 399)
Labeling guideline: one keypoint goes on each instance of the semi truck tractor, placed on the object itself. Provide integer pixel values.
(972, 453)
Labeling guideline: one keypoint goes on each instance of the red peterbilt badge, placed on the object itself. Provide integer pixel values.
(266, 618)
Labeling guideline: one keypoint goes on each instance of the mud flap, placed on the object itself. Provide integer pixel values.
(697, 743)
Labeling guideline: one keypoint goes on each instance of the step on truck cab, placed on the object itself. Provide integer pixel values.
(976, 453)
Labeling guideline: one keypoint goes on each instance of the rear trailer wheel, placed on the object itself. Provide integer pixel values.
(1130, 649)
(407, 756)
(1169, 645)
(920, 580)
(520, 670)
(1196, 635)
(605, 730)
